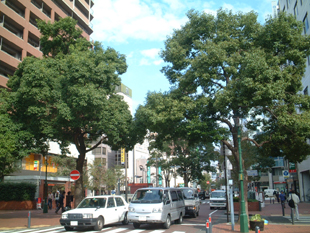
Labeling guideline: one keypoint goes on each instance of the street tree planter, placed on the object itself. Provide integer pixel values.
(255, 221)
(253, 225)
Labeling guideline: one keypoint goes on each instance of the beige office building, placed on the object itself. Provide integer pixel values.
(19, 35)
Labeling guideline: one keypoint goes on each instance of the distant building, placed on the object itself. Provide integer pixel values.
(19, 34)
(300, 9)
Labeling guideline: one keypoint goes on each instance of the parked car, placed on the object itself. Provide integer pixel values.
(218, 199)
(203, 195)
(95, 212)
(191, 200)
(156, 205)
(269, 192)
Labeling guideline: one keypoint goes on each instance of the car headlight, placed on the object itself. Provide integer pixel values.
(156, 210)
(64, 216)
(87, 215)
(131, 209)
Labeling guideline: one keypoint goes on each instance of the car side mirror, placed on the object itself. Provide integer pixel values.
(167, 202)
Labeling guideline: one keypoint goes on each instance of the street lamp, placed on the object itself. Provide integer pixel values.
(244, 227)
(45, 209)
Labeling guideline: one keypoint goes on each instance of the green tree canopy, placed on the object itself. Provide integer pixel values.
(68, 96)
(229, 65)
(15, 143)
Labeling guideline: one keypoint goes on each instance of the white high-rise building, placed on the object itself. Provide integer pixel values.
(301, 9)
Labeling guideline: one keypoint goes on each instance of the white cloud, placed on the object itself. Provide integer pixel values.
(120, 20)
(158, 62)
(151, 53)
(144, 62)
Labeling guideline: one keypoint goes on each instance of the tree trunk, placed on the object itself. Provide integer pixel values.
(79, 189)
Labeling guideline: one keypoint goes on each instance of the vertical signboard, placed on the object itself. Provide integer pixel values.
(122, 155)
(36, 165)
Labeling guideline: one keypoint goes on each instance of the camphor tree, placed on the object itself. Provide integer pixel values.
(15, 143)
(226, 65)
(176, 143)
(68, 95)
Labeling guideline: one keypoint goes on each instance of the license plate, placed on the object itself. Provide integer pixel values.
(73, 223)
(142, 218)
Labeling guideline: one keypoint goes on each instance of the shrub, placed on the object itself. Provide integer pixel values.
(257, 218)
(17, 191)
(236, 199)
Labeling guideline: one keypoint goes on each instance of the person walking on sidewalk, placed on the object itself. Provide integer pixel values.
(57, 198)
(50, 200)
(296, 200)
(282, 198)
(61, 202)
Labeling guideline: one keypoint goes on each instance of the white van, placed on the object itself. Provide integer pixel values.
(218, 199)
(192, 202)
(269, 192)
(156, 205)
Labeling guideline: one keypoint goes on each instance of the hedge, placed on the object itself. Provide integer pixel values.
(17, 191)
(236, 199)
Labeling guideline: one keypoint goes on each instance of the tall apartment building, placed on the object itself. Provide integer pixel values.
(19, 38)
(19, 34)
(301, 10)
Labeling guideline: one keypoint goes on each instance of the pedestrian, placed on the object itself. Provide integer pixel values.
(277, 195)
(296, 200)
(282, 198)
(50, 199)
(57, 198)
(61, 202)
(69, 199)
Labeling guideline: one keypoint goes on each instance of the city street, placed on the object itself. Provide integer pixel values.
(271, 212)
(189, 225)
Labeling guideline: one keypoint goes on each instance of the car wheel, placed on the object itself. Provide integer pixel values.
(99, 224)
(69, 228)
(211, 208)
(195, 215)
(167, 223)
(198, 213)
(125, 221)
(180, 220)
(136, 225)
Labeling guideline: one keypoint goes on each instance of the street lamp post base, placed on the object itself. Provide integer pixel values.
(45, 209)
(244, 225)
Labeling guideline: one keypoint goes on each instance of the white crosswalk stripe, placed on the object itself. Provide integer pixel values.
(302, 219)
(104, 230)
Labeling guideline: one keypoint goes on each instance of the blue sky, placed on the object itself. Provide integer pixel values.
(139, 28)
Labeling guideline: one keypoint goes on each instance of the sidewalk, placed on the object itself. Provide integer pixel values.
(272, 210)
(18, 219)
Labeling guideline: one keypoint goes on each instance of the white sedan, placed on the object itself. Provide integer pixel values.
(95, 212)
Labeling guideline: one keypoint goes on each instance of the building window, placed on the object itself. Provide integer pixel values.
(100, 151)
(101, 161)
(295, 9)
(306, 24)
(306, 91)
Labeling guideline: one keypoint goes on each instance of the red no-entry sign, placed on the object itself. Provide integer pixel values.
(75, 175)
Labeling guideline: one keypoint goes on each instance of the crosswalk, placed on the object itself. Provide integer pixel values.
(104, 230)
(302, 220)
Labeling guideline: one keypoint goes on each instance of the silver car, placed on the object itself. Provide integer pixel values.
(156, 205)
(95, 212)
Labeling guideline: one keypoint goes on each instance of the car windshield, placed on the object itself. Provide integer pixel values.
(92, 203)
(188, 194)
(218, 194)
(148, 196)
